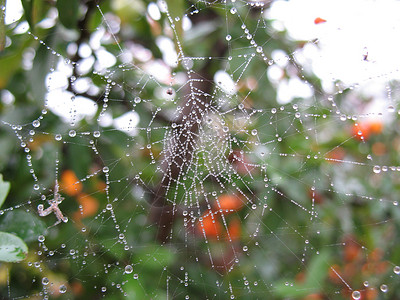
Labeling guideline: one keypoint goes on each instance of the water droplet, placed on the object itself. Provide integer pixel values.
(259, 49)
(36, 123)
(128, 269)
(343, 118)
(297, 115)
(72, 133)
(187, 63)
(35, 186)
(103, 289)
(396, 270)
(63, 289)
(45, 281)
(58, 137)
(356, 295)
(228, 37)
(106, 169)
(96, 134)
(41, 238)
(245, 248)
(377, 169)
(384, 288)
(254, 132)
(233, 10)
(137, 100)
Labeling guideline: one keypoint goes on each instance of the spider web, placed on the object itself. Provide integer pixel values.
(238, 182)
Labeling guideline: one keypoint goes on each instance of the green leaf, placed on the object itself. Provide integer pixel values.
(2, 25)
(12, 248)
(41, 65)
(318, 269)
(176, 8)
(315, 276)
(4, 189)
(35, 11)
(68, 12)
(9, 65)
(23, 224)
(28, 5)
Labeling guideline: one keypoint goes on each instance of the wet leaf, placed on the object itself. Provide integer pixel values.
(23, 224)
(68, 12)
(4, 189)
(12, 248)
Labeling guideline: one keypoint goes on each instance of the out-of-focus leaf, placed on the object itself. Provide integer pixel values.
(318, 269)
(4, 189)
(315, 276)
(176, 9)
(8, 65)
(23, 224)
(35, 11)
(201, 31)
(160, 256)
(68, 12)
(27, 5)
(12, 248)
(2, 25)
(41, 65)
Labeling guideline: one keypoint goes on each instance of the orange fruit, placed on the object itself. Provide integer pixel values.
(366, 128)
(229, 202)
(361, 131)
(336, 155)
(90, 206)
(319, 20)
(379, 149)
(332, 274)
(234, 229)
(351, 250)
(70, 184)
(210, 226)
(375, 126)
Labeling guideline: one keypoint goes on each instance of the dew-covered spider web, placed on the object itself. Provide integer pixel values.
(206, 150)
